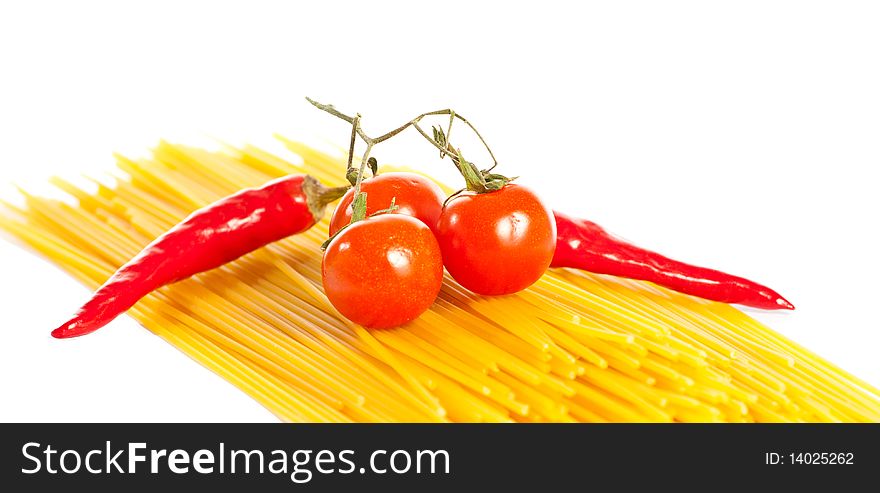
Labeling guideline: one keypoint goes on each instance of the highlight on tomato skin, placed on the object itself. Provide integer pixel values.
(498, 242)
(383, 271)
(414, 195)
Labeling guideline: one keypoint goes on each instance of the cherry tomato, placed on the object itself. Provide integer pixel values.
(414, 195)
(498, 242)
(383, 271)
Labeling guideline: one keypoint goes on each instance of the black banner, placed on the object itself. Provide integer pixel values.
(427, 457)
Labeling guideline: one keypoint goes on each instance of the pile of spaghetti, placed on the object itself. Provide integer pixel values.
(573, 347)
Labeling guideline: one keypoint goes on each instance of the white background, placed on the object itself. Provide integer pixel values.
(738, 135)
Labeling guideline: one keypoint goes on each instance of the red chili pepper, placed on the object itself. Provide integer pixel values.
(208, 238)
(587, 246)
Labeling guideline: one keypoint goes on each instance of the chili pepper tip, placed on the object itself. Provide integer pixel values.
(72, 328)
(784, 303)
(60, 333)
(758, 296)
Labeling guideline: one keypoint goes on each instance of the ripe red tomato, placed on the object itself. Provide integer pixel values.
(383, 271)
(414, 195)
(498, 242)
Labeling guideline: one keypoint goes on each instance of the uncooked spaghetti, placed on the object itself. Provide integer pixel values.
(573, 347)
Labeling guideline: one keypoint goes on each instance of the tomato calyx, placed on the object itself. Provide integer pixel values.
(477, 180)
(351, 173)
(359, 213)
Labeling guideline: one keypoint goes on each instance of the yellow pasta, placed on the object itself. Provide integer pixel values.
(574, 347)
